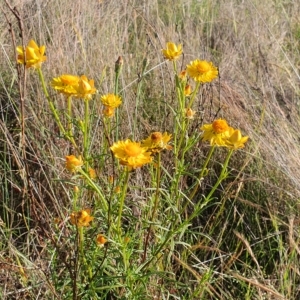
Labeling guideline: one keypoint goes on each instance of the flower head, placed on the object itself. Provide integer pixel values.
(81, 218)
(183, 75)
(216, 132)
(157, 142)
(131, 154)
(108, 111)
(101, 240)
(92, 173)
(111, 100)
(189, 113)
(172, 52)
(126, 239)
(73, 164)
(235, 140)
(202, 70)
(34, 55)
(119, 64)
(117, 189)
(66, 84)
(85, 88)
(187, 90)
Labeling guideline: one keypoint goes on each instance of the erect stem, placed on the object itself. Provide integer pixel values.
(122, 200)
(208, 157)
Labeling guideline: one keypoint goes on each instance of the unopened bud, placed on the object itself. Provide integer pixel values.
(119, 64)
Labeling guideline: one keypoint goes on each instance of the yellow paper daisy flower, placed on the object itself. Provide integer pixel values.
(183, 75)
(157, 142)
(101, 240)
(131, 154)
(108, 111)
(85, 88)
(111, 100)
(66, 84)
(216, 133)
(81, 218)
(92, 173)
(172, 52)
(189, 113)
(73, 163)
(202, 70)
(187, 90)
(235, 140)
(34, 55)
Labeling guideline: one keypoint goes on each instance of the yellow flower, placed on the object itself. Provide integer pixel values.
(187, 90)
(202, 70)
(101, 240)
(111, 100)
(131, 154)
(172, 52)
(157, 141)
(183, 75)
(66, 84)
(217, 132)
(73, 163)
(189, 113)
(85, 88)
(34, 55)
(108, 111)
(235, 140)
(117, 189)
(81, 218)
(111, 179)
(92, 173)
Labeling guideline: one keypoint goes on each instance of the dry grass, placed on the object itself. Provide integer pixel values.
(256, 46)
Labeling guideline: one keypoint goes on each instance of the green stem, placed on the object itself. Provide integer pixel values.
(69, 112)
(193, 96)
(95, 187)
(118, 69)
(183, 134)
(138, 93)
(122, 200)
(222, 176)
(51, 104)
(86, 133)
(174, 66)
(53, 109)
(157, 192)
(81, 241)
(81, 250)
(211, 151)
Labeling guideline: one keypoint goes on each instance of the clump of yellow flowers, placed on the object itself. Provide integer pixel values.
(71, 85)
(65, 84)
(200, 70)
(219, 133)
(81, 218)
(110, 102)
(136, 154)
